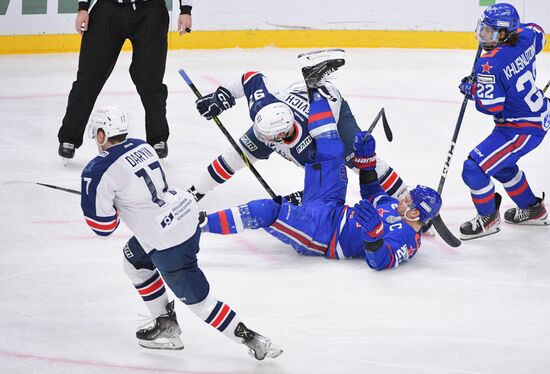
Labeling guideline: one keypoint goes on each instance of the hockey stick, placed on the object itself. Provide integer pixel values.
(229, 137)
(46, 185)
(387, 130)
(438, 223)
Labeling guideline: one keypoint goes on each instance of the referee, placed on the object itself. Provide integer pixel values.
(104, 29)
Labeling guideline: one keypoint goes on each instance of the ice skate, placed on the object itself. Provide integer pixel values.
(163, 332)
(66, 151)
(535, 215)
(162, 149)
(482, 225)
(318, 65)
(259, 346)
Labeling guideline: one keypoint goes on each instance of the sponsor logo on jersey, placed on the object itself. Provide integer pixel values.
(307, 141)
(167, 220)
(248, 143)
(177, 213)
(478, 152)
(485, 78)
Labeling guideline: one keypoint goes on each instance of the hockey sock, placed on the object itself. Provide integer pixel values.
(392, 183)
(218, 315)
(219, 170)
(153, 294)
(518, 189)
(484, 199)
(254, 215)
(225, 222)
(321, 122)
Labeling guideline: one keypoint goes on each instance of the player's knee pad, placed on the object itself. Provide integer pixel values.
(328, 149)
(473, 175)
(137, 264)
(259, 213)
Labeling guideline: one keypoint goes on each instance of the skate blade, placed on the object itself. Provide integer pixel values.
(480, 235)
(172, 344)
(315, 57)
(537, 222)
(272, 351)
(65, 161)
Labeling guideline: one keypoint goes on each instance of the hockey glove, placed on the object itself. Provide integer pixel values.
(215, 103)
(467, 86)
(369, 219)
(365, 155)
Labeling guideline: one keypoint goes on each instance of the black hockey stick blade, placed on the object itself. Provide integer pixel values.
(387, 130)
(444, 232)
(375, 120)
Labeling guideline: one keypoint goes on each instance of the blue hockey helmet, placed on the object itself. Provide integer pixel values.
(427, 201)
(502, 16)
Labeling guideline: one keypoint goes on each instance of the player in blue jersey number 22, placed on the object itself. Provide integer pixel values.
(504, 86)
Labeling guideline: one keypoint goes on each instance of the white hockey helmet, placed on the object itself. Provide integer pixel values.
(273, 122)
(113, 120)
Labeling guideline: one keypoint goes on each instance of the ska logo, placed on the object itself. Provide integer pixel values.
(127, 252)
(167, 220)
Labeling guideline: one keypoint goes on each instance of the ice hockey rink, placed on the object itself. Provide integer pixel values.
(68, 307)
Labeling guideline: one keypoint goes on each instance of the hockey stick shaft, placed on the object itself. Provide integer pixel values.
(44, 185)
(229, 137)
(457, 130)
(437, 222)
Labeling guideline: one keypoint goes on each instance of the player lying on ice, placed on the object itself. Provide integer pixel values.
(127, 182)
(380, 229)
(280, 125)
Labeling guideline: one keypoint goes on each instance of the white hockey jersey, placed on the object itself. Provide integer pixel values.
(127, 182)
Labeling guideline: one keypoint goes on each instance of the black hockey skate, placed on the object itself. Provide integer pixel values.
(161, 148)
(163, 332)
(197, 196)
(66, 150)
(318, 65)
(535, 215)
(482, 225)
(259, 346)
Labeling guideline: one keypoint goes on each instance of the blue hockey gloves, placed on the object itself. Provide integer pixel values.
(369, 219)
(365, 154)
(467, 87)
(215, 103)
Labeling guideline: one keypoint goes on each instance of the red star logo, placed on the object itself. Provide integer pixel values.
(486, 67)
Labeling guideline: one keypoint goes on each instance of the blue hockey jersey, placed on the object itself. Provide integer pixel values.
(505, 84)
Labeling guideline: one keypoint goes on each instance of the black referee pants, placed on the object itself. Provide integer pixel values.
(110, 24)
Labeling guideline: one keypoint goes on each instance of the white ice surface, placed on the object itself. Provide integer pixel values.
(67, 306)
